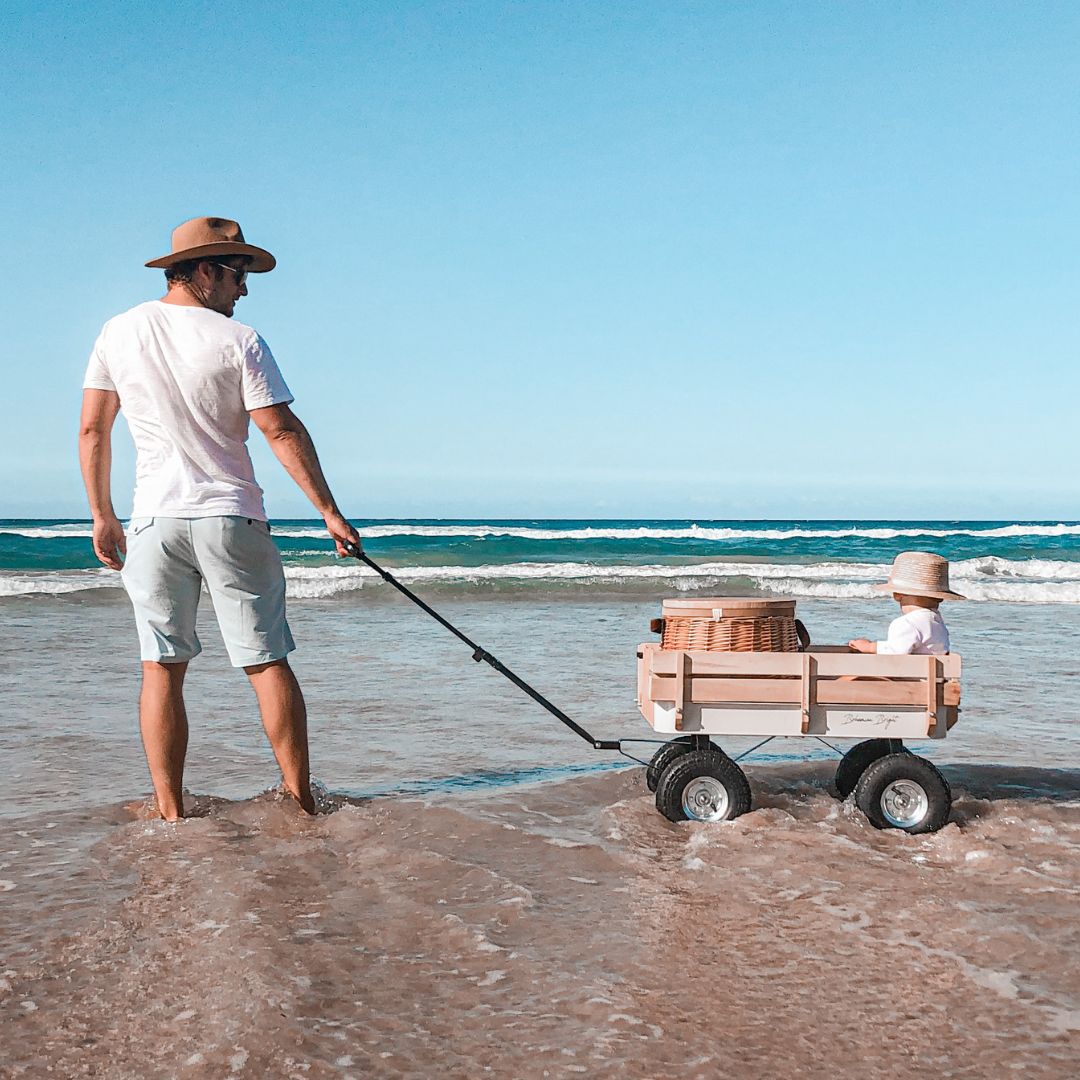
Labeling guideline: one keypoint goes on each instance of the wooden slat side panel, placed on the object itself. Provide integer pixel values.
(783, 691)
(828, 664)
(828, 691)
(871, 663)
(897, 667)
(870, 692)
(933, 693)
(680, 688)
(648, 710)
(809, 671)
(722, 663)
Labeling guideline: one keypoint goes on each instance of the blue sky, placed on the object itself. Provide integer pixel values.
(555, 259)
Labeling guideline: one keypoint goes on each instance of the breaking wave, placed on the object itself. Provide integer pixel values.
(984, 578)
(57, 582)
(615, 531)
(1029, 581)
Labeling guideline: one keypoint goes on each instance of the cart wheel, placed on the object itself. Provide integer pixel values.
(667, 754)
(904, 791)
(854, 762)
(703, 785)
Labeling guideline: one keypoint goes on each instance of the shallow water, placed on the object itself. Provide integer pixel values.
(551, 930)
(487, 895)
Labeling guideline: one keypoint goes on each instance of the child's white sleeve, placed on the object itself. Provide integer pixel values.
(903, 637)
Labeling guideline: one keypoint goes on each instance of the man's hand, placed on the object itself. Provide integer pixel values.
(292, 446)
(95, 458)
(862, 645)
(110, 542)
(343, 533)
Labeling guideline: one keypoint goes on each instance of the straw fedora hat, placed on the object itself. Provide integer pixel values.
(206, 237)
(920, 573)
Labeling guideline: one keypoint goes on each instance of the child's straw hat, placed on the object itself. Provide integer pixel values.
(920, 573)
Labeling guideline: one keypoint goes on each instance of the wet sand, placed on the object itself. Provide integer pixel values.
(553, 929)
(496, 898)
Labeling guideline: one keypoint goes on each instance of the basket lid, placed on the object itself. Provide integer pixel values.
(728, 607)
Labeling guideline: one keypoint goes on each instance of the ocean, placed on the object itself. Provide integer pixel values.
(1007, 561)
(485, 894)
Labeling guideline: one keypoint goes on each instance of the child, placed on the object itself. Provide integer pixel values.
(919, 581)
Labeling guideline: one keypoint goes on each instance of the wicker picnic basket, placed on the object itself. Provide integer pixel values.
(728, 624)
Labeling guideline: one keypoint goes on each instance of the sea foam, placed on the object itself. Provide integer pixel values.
(614, 531)
(984, 578)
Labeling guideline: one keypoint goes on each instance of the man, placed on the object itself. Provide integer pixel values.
(188, 378)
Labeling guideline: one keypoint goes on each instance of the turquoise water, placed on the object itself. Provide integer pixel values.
(1006, 561)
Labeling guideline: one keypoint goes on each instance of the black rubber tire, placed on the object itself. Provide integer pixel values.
(667, 754)
(702, 763)
(854, 762)
(888, 770)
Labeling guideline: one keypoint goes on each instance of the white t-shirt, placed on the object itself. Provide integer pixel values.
(921, 631)
(187, 378)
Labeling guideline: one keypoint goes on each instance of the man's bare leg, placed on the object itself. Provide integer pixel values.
(164, 726)
(284, 716)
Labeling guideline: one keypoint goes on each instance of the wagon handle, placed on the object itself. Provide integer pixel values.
(480, 653)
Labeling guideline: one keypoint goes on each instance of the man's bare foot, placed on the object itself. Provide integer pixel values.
(148, 810)
(142, 809)
(305, 804)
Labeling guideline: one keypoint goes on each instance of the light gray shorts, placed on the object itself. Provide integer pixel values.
(168, 559)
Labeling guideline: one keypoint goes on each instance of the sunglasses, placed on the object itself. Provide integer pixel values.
(240, 276)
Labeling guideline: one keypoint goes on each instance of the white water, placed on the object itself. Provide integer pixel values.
(693, 532)
(984, 578)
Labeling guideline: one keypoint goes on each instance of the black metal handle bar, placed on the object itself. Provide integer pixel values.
(480, 653)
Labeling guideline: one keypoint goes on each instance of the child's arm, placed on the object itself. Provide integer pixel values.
(903, 637)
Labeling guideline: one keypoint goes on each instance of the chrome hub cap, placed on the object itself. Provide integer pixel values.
(904, 803)
(705, 799)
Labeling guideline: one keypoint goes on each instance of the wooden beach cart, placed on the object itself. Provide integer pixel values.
(744, 666)
(732, 666)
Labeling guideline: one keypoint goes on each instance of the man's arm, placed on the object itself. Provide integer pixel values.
(99, 411)
(292, 446)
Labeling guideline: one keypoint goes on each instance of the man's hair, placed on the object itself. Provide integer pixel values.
(181, 273)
